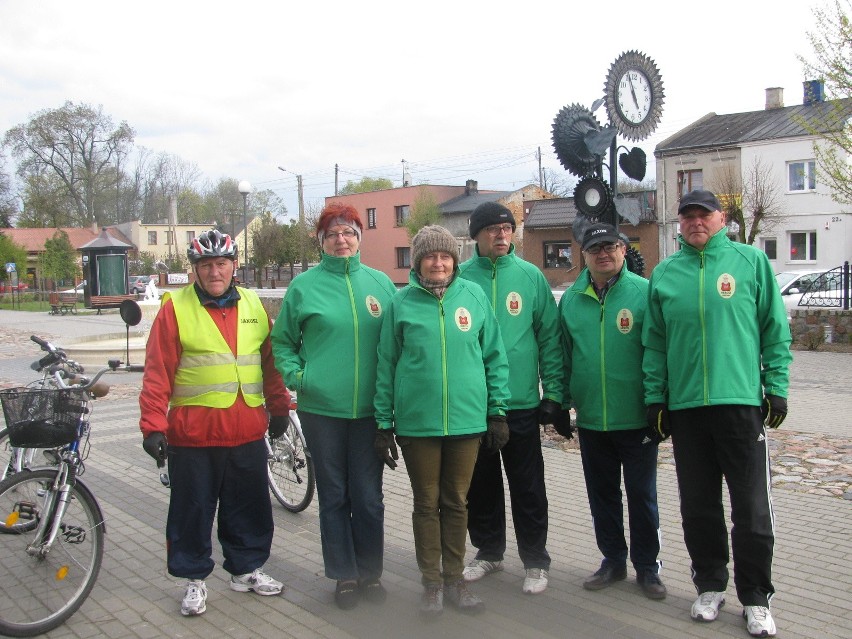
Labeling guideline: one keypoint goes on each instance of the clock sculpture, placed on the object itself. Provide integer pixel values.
(633, 94)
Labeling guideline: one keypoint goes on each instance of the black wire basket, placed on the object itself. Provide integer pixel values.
(43, 417)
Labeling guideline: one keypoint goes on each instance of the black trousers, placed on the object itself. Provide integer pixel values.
(235, 479)
(712, 443)
(486, 506)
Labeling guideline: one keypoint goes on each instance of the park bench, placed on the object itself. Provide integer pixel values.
(62, 303)
(108, 301)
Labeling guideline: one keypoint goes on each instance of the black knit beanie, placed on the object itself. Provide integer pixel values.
(489, 213)
(432, 238)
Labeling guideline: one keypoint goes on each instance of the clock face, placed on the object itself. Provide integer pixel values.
(633, 93)
(634, 96)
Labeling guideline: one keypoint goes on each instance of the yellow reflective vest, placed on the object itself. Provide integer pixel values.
(208, 373)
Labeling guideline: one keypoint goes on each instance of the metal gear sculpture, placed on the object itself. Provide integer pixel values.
(569, 129)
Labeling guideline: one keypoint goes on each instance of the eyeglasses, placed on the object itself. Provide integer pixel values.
(497, 229)
(348, 234)
(597, 248)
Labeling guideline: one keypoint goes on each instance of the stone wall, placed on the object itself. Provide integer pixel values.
(835, 325)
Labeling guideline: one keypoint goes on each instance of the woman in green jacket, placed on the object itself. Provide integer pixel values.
(442, 384)
(324, 342)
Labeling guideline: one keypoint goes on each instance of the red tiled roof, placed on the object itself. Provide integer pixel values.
(33, 239)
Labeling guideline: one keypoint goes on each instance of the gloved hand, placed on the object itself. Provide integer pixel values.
(386, 447)
(773, 410)
(278, 425)
(156, 446)
(562, 424)
(497, 434)
(548, 411)
(658, 423)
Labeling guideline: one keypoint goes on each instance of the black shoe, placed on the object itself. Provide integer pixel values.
(607, 575)
(651, 585)
(346, 594)
(373, 590)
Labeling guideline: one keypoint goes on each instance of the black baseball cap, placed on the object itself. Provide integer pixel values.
(699, 197)
(598, 234)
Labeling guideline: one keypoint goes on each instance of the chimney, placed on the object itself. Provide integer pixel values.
(814, 92)
(471, 187)
(774, 98)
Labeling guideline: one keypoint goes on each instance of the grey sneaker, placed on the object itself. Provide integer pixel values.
(706, 607)
(478, 568)
(535, 581)
(258, 581)
(759, 621)
(459, 596)
(194, 599)
(432, 600)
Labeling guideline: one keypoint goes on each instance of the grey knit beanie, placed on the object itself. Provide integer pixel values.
(433, 238)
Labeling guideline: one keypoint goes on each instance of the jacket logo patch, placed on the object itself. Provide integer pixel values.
(374, 306)
(514, 303)
(726, 285)
(463, 319)
(624, 321)
(249, 320)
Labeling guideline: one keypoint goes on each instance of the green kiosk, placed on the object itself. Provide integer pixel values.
(105, 270)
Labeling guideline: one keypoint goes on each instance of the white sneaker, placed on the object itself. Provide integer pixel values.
(706, 607)
(759, 621)
(195, 599)
(258, 581)
(478, 568)
(535, 581)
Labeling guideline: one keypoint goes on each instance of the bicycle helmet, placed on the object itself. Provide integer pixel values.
(211, 243)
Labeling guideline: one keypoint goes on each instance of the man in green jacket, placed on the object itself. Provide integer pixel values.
(601, 317)
(526, 312)
(716, 364)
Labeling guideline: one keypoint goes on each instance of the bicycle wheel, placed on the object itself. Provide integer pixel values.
(291, 471)
(39, 591)
(14, 459)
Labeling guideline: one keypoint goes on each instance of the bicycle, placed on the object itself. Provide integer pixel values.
(291, 469)
(51, 526)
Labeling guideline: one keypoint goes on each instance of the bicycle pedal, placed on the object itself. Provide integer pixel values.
(26, 510)
(73, 534)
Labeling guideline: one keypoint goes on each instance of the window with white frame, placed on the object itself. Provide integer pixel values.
(557, 255)
(402, 214)
(803, 246)
(371, 218)
(801, 175)
(689, 181)
(770, 247)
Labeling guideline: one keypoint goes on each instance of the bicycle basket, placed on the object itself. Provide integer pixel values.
(42, 418)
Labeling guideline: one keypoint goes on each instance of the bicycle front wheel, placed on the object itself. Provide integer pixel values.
(40, 590)
(291, 470)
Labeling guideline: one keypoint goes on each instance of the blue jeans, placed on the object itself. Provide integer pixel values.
(349, 490)
(604, 455)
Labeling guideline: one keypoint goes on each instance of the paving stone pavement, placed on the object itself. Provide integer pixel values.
(135, 597)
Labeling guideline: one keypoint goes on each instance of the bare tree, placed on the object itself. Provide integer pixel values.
(560, 183)
(752, 201)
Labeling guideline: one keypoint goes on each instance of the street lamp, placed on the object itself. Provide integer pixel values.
(302, 230)
(244, 187)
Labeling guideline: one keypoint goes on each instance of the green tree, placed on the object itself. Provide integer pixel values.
(59, 260)
(425, 210)
(365, 185)
(11, 252)
(79, 144)
(832, 63)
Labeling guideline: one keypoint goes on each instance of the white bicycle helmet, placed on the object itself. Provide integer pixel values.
(211, 243)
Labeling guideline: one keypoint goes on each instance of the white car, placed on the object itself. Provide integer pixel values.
(810, 288)
(77, 289)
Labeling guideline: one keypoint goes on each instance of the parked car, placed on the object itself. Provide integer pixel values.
(137, 283)
(795, 286)
(77, 289)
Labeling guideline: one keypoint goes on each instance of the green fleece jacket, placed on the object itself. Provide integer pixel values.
(442, 368)
(603, 351)
(716, 330)
(526, 311)
(326, 335)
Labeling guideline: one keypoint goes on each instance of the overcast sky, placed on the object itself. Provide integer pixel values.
(463, 89)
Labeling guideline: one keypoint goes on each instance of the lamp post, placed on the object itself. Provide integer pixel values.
(244, 187)
(302, 231)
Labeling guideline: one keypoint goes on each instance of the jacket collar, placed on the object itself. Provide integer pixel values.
(719, 238)
(337, 264)
(503, 260)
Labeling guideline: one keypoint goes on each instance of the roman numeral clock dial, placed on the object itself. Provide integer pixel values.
(634, 95)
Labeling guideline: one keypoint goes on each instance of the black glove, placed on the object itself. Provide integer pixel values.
(773, 410)
(386, 447)
(658, 423)
(548, 411)
(156, 446)
(562, 424)
(278, 425)
(497, 434)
